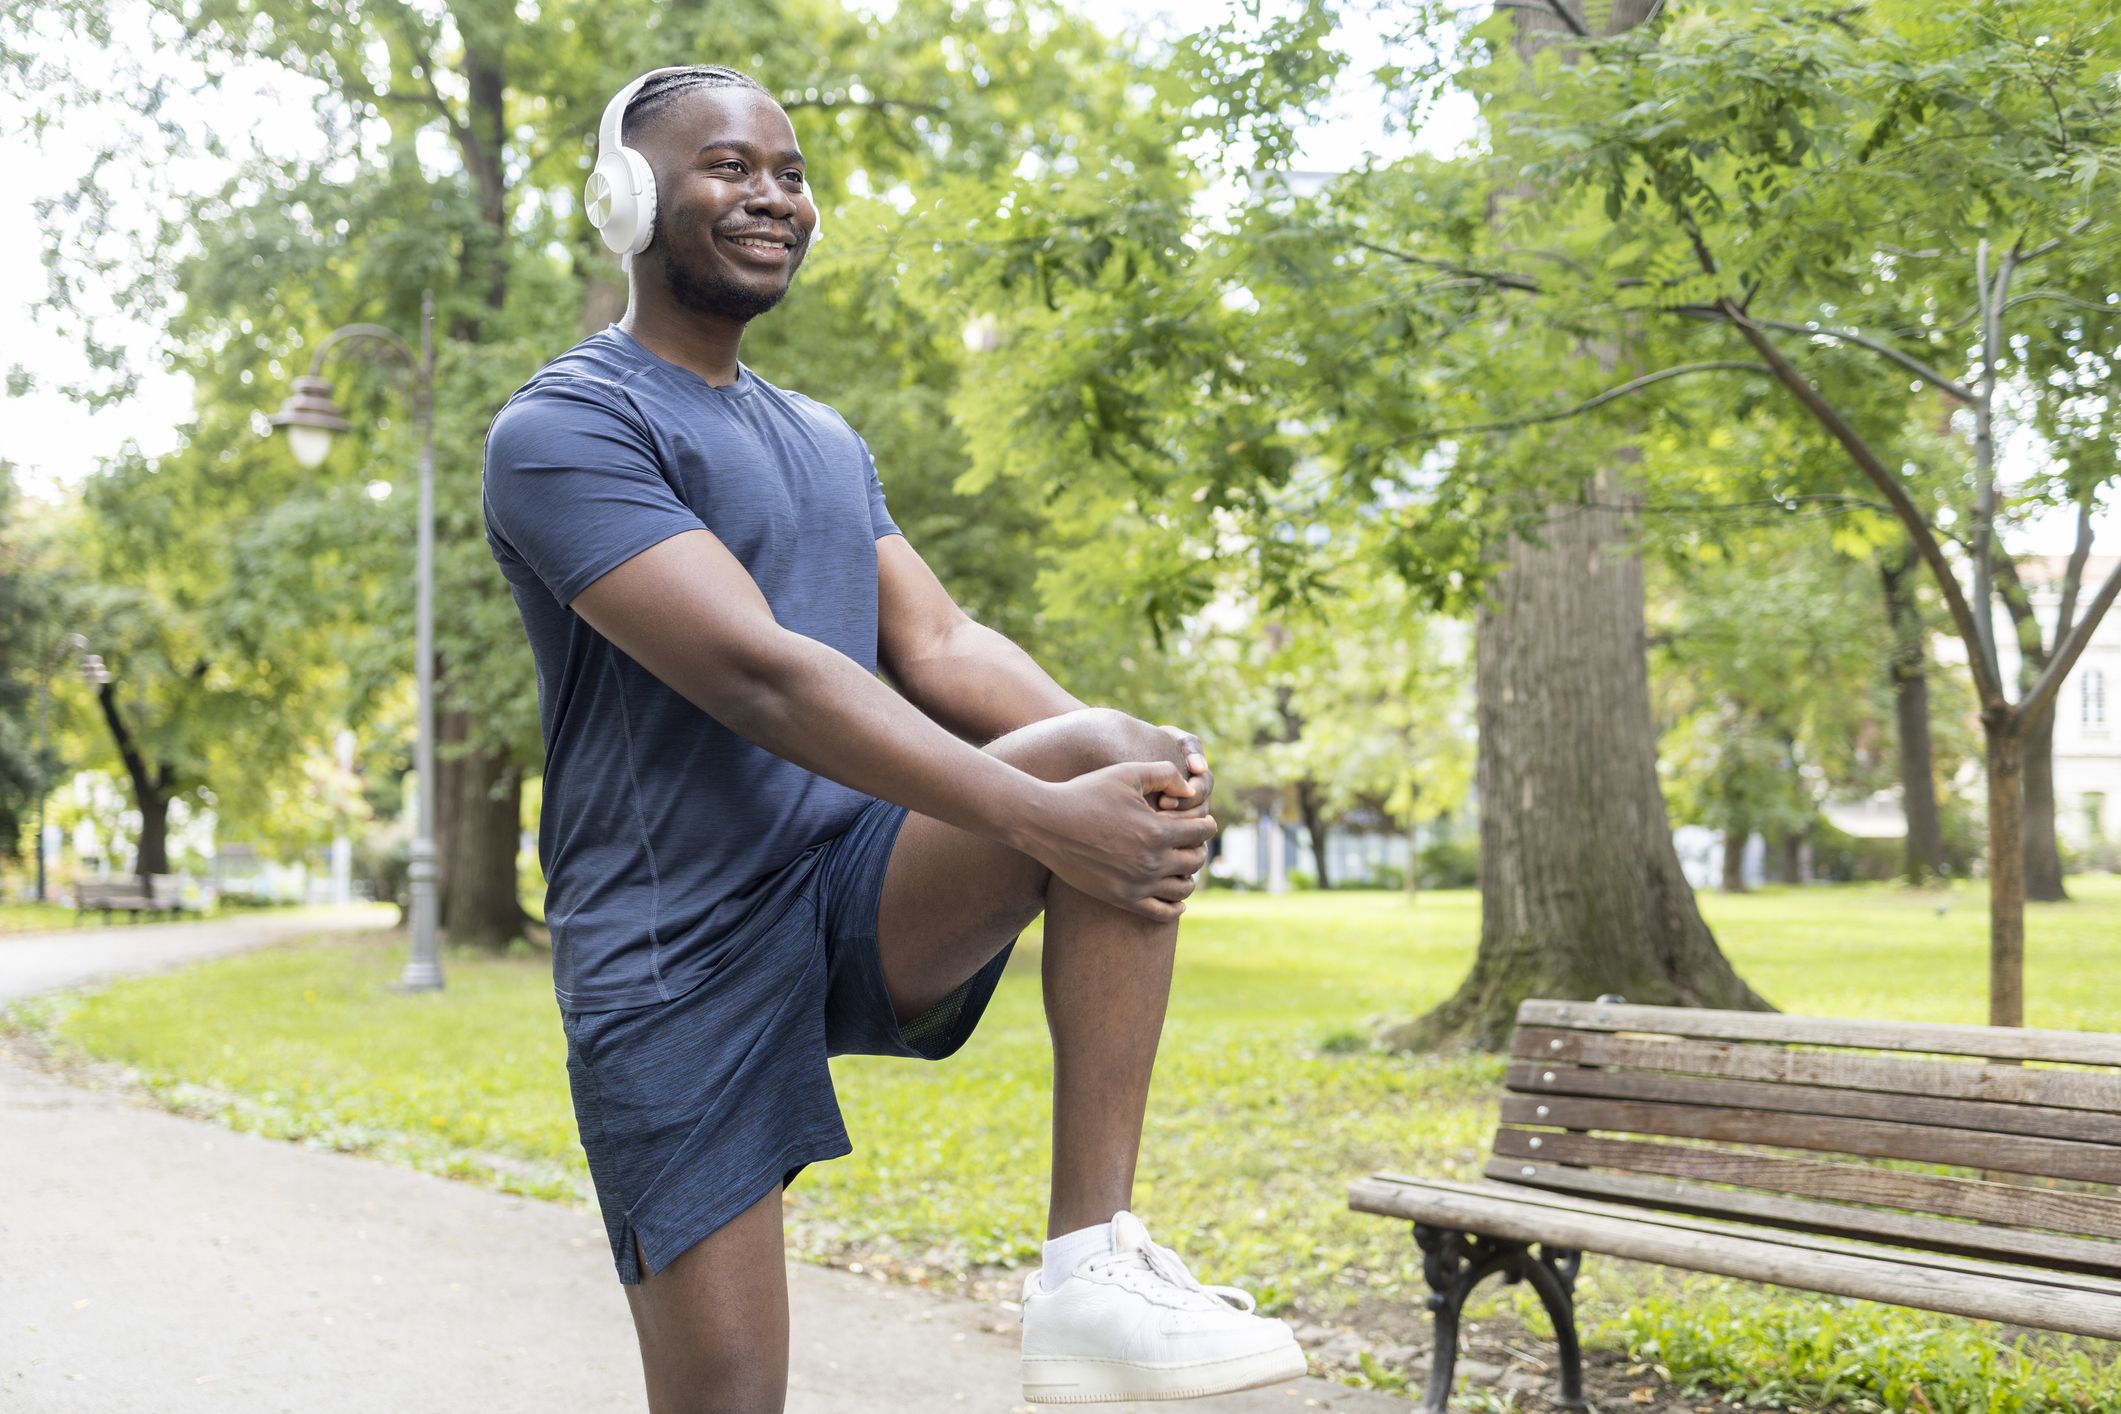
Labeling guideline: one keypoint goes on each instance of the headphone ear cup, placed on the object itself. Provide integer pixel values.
(620, 200)
(644, 200)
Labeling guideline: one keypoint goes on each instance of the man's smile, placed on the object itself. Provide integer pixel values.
(762, 247)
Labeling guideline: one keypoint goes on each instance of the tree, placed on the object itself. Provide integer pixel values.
(1581, 890)
(1767, 646)
(1254, 395)
(452, 144)
(1979, 143)
(1355, 703)
(1732, 169)
(27, 638)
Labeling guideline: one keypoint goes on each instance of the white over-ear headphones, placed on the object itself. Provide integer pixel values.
(620, 192)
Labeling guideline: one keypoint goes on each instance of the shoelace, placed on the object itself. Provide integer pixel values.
(1163, 1262)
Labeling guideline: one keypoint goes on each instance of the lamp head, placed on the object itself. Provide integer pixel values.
(311, 420)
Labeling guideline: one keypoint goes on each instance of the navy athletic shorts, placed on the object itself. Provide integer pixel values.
(691, 1110)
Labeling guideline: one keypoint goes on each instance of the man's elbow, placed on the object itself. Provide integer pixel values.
(750, 684)
(940, 659)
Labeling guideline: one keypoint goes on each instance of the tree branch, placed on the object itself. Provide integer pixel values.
(1568, 17)
(466, 142)
(1913, 365)
(147, 784)
(421, 53)
(832, 102)
(2060, 297)
(2032, 645)
(1868, 461)
(1993, 294)
(2045, 246)
(1503, 278)
(2073, 570)
(2071, 648)
(1634, 385)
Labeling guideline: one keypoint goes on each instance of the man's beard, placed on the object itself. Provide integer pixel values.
(706, 291)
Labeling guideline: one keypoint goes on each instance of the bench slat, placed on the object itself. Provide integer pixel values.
(1897, 1076)
(2077, 1254)
(1862, 1242)
(1527, 1077)
(113, 895)
(1875, 1139)
(1990, 1042)
(1881, 1277)
(2075, 1214)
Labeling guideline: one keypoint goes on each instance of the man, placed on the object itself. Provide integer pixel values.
(759, 855)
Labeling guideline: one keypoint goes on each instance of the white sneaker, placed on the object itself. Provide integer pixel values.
(1132, 1323)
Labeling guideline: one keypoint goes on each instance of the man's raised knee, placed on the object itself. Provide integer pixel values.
(1088, 739)
(1106, 736)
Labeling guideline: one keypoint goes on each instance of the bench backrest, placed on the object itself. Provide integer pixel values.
(1980, 1140)
(166, 890)
(93, 893)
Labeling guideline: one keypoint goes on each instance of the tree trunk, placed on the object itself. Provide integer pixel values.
(2043, 858)
(1923, 856)
(2006, 871)
(1793, 863)
(1734, 842)
(1315, 826)
(152, 788)
(479, 904)
(154, 834)
(1581, 891)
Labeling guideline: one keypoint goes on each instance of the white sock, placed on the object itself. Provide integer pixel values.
(1063, 1254)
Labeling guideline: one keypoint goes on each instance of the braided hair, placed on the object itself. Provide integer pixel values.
(658, 92)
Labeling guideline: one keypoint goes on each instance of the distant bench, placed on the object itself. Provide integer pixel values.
(134, 895)
(1583, 1162)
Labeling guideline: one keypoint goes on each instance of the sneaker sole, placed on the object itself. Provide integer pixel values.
(1092, 1381)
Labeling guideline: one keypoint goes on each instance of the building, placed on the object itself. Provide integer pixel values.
(2087, 710)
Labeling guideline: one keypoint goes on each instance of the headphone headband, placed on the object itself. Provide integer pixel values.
(614, 120)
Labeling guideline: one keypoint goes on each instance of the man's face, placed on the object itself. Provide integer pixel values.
(732, 217)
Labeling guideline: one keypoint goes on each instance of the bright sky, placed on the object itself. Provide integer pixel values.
(57, 443)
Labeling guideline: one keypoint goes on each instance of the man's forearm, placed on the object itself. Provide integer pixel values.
(816, 707)
(981, 686)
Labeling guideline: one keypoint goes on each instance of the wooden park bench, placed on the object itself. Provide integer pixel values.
(1966, 1169)
(108, 896)
(165, 894)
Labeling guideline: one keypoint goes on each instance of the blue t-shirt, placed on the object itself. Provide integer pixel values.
(668, 840)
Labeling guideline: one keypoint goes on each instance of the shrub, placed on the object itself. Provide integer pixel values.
(1452, 862)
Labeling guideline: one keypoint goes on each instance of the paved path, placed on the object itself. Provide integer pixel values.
(154, 1263)
(39, 962)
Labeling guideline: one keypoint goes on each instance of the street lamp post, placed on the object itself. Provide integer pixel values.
(93, 673)
(311, 420)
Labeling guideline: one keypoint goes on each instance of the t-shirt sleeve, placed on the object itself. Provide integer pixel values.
(574, 488)
(880, 522)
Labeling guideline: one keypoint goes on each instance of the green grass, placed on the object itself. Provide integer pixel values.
(1267, 1101)
(34, 917)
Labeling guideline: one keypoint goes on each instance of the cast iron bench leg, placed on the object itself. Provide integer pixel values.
(1456, 1262)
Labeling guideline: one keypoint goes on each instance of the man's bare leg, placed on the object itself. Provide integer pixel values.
(713, 1325)
(951, 901)
(1137, 1326)
(1107, 978)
